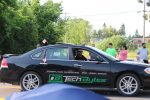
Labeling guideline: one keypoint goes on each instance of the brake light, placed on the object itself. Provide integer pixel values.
(4, 63)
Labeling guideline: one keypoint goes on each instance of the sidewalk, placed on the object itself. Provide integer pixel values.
(6, 85)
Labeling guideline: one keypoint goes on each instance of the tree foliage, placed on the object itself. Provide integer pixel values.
(50, 24)
(122, 30)
(77, 31)
(105, 32)
(117, 41)
(25, 22)
(109, 32)
(136, 35)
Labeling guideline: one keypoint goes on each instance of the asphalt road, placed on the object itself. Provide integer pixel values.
(8, 89)
(113, 95)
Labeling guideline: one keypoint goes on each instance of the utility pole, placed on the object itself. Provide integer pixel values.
(144, 22)
(144, 2)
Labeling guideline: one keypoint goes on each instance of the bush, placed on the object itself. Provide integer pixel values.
(117, 41)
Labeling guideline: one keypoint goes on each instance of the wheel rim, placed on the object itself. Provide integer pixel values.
(128, 85)
(30, 81)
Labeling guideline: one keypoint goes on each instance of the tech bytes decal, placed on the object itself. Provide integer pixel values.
(74, 79)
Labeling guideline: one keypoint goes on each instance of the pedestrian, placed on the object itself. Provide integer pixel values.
(110, 50)
(143, 54)
(44, 42)
(123, 53)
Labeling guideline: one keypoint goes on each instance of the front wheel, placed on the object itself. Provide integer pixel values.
(128, 84)
(30, 80)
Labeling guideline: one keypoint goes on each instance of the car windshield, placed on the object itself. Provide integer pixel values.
(103, 53)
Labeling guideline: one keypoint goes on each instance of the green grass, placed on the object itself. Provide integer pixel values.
(132, 54)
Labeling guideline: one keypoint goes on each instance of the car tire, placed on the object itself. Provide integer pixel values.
(30, 80)
(128, 84)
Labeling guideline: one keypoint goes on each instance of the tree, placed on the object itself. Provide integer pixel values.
(117, 41)
(96, 35)
(122, 30)
(104, 25)
(77, 31)
(24, 29)
(25, 22)
(6, 13)
(99, 34)
(108, 32)
(137, 35)
(49, 21)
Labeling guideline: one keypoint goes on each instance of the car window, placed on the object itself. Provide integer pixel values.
(79, 54)
(86, 55)
(103, 53)
(37, 55)
(95, 57)
(57, 53)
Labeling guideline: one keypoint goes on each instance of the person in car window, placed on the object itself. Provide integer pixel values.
(79, 55)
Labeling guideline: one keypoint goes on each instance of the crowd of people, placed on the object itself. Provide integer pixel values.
(122, 53)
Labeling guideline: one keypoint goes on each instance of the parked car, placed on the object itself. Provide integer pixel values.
(59, 64)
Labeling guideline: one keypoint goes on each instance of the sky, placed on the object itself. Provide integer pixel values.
(113, 12)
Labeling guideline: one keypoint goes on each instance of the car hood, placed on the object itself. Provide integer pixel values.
(134, 63)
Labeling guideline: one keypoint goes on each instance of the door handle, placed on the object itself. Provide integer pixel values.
(77, 65)
(43, 63)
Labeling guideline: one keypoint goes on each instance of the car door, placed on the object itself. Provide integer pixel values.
(57, 66)
(94, 72)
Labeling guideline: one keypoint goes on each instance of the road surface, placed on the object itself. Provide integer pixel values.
(8, 89)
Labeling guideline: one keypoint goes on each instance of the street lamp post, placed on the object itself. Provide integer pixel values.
(144, 22)
(144, 16)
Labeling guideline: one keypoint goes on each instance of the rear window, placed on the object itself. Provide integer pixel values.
(57, 53)
(37, 54)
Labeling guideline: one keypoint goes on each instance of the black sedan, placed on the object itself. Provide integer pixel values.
(84, 66)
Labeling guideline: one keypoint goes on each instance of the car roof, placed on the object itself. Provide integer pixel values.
(65, 44)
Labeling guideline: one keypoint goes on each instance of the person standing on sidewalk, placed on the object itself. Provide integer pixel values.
(111, 51)
(123, 53)
(143, 54)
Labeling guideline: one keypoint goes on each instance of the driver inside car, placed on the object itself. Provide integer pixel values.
(79, 55)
